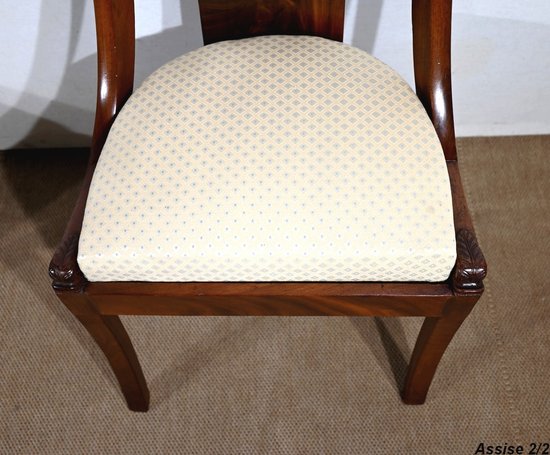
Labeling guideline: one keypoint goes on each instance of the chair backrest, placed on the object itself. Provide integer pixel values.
(231, 19)
(224, 20)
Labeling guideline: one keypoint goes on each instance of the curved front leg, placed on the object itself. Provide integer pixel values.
(112, 338)
(435, 335)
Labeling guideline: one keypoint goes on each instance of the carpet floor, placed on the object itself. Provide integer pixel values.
(280, 385)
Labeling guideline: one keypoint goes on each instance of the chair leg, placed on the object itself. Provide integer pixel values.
(112, 338)
(435, 335)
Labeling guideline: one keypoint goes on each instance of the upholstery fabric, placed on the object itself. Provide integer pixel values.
(277, 158)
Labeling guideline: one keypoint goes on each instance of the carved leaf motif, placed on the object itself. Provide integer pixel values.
(471, 267)
(64, 269)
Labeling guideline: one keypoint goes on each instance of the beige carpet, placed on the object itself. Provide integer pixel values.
(280, 385)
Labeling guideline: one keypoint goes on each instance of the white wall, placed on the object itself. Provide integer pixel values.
(501, 57)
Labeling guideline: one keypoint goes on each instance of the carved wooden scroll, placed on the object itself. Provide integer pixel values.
(471, 267)
(64, 270)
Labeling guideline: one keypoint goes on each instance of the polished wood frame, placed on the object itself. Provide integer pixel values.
(445, 305)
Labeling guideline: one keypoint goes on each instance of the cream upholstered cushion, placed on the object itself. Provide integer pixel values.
(278, 158)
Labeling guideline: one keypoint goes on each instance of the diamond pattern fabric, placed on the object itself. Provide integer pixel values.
(277, 158)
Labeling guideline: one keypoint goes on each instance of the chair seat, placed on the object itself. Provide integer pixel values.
(277, 158)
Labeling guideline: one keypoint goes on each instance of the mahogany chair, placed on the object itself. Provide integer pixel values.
(145, 237)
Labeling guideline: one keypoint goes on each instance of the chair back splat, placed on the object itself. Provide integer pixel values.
(226, 20)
